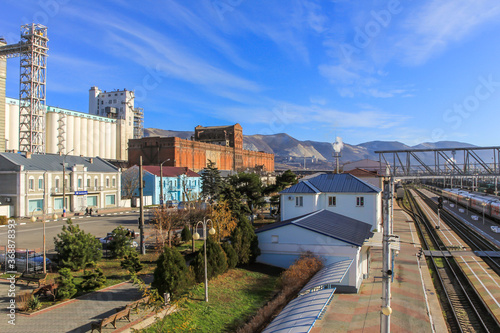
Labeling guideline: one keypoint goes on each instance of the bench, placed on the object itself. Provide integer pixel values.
(38, 278)
(120, 314)
(135, 305)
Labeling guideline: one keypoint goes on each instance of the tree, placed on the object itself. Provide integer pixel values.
(76, 248)
(130, 182)
(132, 263)
(250, 187)
(234, 200)
(216, 261)
(245, 242)
(224, 220)
(171, 274)
(93, 279)
(186, 235)
(232, 257)
(166, 221)
(283, 181)
(120, 244)
(66, 288)
(211, 182)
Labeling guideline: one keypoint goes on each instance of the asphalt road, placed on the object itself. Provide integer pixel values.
(30, 235)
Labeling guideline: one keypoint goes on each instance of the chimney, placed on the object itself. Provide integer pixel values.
(91, 160)
(60, 153)
(28, 154)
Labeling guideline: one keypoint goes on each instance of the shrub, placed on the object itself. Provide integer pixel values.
(22, 300)
(120, 245)
(76, 248)
(93, 280)
(171, 273)
(34, 303)
(245, 242)
(132, 263)
(66, 287)
(232, 257)
(186, 235)
(216, 260)
(3, 220)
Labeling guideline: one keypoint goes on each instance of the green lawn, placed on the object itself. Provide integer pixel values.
(233, 298)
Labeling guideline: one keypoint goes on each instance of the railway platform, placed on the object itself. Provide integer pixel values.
(414, 300)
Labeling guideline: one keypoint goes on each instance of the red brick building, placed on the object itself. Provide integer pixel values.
(223, 145)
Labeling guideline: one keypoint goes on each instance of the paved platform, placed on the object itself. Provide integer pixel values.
(414, 301)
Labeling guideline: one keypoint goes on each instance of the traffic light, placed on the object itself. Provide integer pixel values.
(440, 205)
(440, 200)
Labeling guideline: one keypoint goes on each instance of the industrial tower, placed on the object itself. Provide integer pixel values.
(32, 50)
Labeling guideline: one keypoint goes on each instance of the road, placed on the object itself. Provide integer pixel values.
(30, 235)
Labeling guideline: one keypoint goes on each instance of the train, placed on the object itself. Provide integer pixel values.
(480, 203)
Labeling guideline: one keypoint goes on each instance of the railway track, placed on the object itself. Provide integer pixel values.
(464, 309)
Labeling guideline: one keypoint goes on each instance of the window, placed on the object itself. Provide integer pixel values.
(95, 182)
(332, 201)
(57, 184)
(275, 239)
(80, 183)
(299, 202)
(360, 201)
(40, 183)
(107, 182)
(114, 182)
(88, 182)
(110, 199)
(31, 184)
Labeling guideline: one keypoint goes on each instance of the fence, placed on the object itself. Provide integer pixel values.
(30, 260)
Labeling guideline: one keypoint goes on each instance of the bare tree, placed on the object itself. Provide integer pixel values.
(130, 182)
(165, 221)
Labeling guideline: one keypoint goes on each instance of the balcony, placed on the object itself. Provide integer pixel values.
(70, 189)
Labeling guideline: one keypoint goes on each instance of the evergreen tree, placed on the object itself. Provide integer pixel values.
(132, 263)
(76, 248)
(250, 187)
(171, 274)
(216, 261)
(211, 182)
(93, 279)
(245, 242)
(232, 257)
(186, 235)
(120, 245)
(66, 288)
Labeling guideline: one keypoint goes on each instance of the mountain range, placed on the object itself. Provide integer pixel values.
(292, 153)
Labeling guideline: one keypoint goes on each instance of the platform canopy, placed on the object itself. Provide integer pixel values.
(301, 314)
(328, 276)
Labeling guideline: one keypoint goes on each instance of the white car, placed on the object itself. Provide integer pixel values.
(495, 229)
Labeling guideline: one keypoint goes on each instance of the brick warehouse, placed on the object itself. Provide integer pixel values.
(223, 145)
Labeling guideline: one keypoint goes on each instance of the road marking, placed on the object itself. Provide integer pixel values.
(1, 226)
(23, 223)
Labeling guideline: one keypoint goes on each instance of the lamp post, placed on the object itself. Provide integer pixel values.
(196, 236)
(467, 206)
(33, 219)
(64, 182)
(161, 182)
(484, 205)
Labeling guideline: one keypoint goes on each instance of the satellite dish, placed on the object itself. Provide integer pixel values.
(338, 144)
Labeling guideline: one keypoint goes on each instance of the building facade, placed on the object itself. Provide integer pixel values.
(32, 184)
(179, 184)
(340, 193)
(222, 145)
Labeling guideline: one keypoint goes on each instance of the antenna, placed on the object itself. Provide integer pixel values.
(337, 149)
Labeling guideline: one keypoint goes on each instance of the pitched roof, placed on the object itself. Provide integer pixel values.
(53, 162)
(360, 172)
(337, 183)
(169, 171)
(330, 224)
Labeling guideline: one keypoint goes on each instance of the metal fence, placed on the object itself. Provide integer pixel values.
(30, 260)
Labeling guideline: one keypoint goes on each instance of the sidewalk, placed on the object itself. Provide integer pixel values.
(414, 301)
(72, 316)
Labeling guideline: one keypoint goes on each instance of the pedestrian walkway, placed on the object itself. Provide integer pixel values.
(72, 316)
(414, 301)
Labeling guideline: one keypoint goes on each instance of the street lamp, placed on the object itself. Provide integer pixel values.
(33, 219)
(64, 182)
(467, 200)
(161, 182)
(196, 236)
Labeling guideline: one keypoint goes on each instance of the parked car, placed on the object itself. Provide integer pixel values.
(495, 229)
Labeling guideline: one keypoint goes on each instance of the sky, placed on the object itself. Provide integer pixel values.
(408, 71)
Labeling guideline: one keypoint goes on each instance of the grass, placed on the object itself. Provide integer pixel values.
(188, 246)
(233, 298)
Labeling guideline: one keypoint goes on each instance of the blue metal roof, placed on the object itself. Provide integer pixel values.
(53, 162)
(327, 276)
(334, 183)
(301, 314)
(330, 224)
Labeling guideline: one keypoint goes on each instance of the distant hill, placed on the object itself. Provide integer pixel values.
(290, 152)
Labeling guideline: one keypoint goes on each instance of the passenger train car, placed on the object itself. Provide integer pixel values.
(473, 201)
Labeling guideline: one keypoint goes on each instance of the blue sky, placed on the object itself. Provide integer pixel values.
(410, 71)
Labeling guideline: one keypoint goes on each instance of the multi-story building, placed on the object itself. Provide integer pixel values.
(222, 145)
(32, 184)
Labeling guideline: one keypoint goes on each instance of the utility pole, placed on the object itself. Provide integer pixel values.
(141, 200)
(385, 315)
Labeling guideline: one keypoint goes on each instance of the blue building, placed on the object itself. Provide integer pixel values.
(179, 184)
